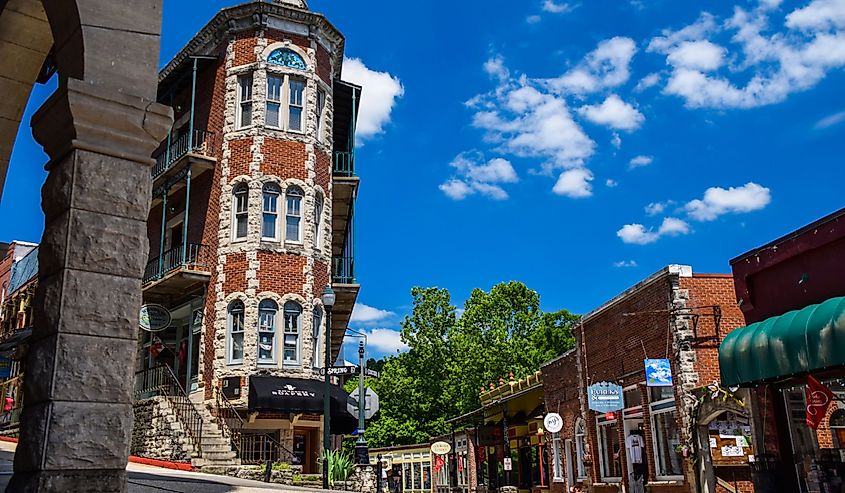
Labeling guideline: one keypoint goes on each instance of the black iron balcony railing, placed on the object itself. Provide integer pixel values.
(190, 257)
(343, 271)
(202, 143)
(344, 163)
(160, 381)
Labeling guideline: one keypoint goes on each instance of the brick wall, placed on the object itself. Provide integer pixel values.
(285, 159)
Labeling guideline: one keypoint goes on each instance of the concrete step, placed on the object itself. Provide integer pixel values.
(211, 440)
(218, 455)
(208, 447)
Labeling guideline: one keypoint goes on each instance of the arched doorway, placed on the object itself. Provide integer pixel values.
(724, 441)
(99, 129)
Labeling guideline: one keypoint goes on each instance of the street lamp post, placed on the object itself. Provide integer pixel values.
(361, 444)
(328, 298)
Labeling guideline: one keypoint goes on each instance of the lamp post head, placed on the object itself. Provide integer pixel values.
(328, 297)
(361, 348)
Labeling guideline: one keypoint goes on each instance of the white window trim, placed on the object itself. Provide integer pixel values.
(229, 339)
(303, 124)
(318, 219)
(298, 362)
(284, 102)
(239, 123)
(606, 424)
(280, 101)
(298, 229)
(275, 360)
(558, 474)
(320, 113)
(654, 447)
(278, 193)
(580, 450)
(234, 237)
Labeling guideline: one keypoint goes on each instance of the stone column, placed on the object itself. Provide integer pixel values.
(77, 420)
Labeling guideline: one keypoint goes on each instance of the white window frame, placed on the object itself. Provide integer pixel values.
(300, 194)
(319, 204)
(262, 329)
(288, 104)
(580, 436)
(275, 100)
(230, 326)
(245, 100)
(267, 192)
(316, 331)
(557, 462)
(237, 213)
(656, 409)
(297, 332)
(600, 426)
(321, 115)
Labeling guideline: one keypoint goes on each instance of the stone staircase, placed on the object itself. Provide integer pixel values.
(216, 449)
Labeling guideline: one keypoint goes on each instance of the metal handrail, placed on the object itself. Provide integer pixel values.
(192, 259)
(231, 425)
(202, 143)
(344, 163)
(160, 381)
(344, 270)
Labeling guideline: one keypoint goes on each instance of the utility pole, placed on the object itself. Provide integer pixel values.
(361, 453)
(328, 298)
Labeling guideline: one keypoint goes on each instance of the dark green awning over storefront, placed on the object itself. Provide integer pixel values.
(800, 341)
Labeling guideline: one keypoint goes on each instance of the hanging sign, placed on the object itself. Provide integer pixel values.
(440, 448)
(154, 318)
(604, 397)
(553, 422)
(658, 373)
(818, 400)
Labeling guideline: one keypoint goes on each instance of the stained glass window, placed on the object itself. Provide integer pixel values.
(286, 58)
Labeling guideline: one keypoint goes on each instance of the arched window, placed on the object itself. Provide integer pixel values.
(580, 448)
(293, 316)
(270, 212)
(316, 327)
(293, 214)
(235, 349)
(267, 310)
(240, 211)
(286, 58)
(318, 217)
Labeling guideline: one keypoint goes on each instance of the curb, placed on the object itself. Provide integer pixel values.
(166, 464)
(8, 439)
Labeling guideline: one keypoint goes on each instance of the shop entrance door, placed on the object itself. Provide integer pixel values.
(304, 449)
(635, 454)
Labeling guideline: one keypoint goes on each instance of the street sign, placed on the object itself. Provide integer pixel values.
(604, 397)
(371, 403)
(440, 448)
(371, 373)
(553, 422)
(340, 371)
(508, 464)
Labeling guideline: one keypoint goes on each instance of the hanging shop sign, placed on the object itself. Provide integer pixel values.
(658, 373)
(154, 318)
(440, 448)
(604, 397)
(818, 400)
(5, 367)
(553, 422)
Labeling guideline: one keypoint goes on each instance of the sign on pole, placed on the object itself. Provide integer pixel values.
(508, 464)
(440, 448)
(658, 373)
(154, 318)
(370, 402)
(604, 397)
(553, 422)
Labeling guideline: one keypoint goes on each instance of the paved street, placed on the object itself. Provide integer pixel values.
(148, 479)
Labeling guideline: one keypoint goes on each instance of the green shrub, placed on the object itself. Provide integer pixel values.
(340, 465)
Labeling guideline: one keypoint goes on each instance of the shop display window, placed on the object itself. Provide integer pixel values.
(609, 462)
(667, 455)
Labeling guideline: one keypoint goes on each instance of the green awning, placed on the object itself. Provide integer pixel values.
(797, 342)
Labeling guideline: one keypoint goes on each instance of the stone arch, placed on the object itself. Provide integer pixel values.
(310, 67)
(99, 130)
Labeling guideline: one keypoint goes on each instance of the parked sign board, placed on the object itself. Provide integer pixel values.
(154, 318)
(440, 448)
(604, 397)
(658, 373)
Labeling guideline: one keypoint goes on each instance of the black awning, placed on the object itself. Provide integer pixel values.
(298, 395)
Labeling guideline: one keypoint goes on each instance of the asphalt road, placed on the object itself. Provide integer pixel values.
(148, 479)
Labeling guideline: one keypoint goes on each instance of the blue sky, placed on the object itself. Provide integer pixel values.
(577, 147)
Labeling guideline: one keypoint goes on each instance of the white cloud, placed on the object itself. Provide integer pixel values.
(362, 313)
(574, 183)
(656, 208)
(699, 55)
(616, 141)
(625, 263)
(640, 161)
(533, 19)
(495, 67)
(386, 341)
(818, 15)
(718, 201)
(477, 176)
(605, 67)
(700, 29)
(646, 82)
(637, 234)
(379, 93)
(831, 120)
(556, 8)
(614, 113)
(611, 183)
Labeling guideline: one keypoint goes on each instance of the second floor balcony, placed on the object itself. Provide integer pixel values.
(177, 269)
(197, 147)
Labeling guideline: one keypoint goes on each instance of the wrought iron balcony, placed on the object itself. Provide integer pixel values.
(192, 258)
(344, 163)
(201, 144)
(343, 271)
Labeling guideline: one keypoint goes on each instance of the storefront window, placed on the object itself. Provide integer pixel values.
(609, 450)
(417, 476)
(557, 464)
(406, 476)
(426, 471)
(580, 448)
(664, 425)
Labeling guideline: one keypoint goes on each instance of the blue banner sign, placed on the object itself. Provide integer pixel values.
(605, 397)
(658, 373)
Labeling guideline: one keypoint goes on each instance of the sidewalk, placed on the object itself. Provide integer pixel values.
(150, 479)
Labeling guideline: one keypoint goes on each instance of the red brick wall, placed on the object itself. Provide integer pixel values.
(280, 272)
(240, 157)
(245, 43)
(560, 387)
(284, 158)
(323, 170)
(324, 64)
(235, 272)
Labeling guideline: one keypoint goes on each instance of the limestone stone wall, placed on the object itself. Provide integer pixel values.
(157, 433)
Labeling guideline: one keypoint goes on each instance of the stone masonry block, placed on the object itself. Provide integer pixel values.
(73, 443)
(107, 244)
(106, 184)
